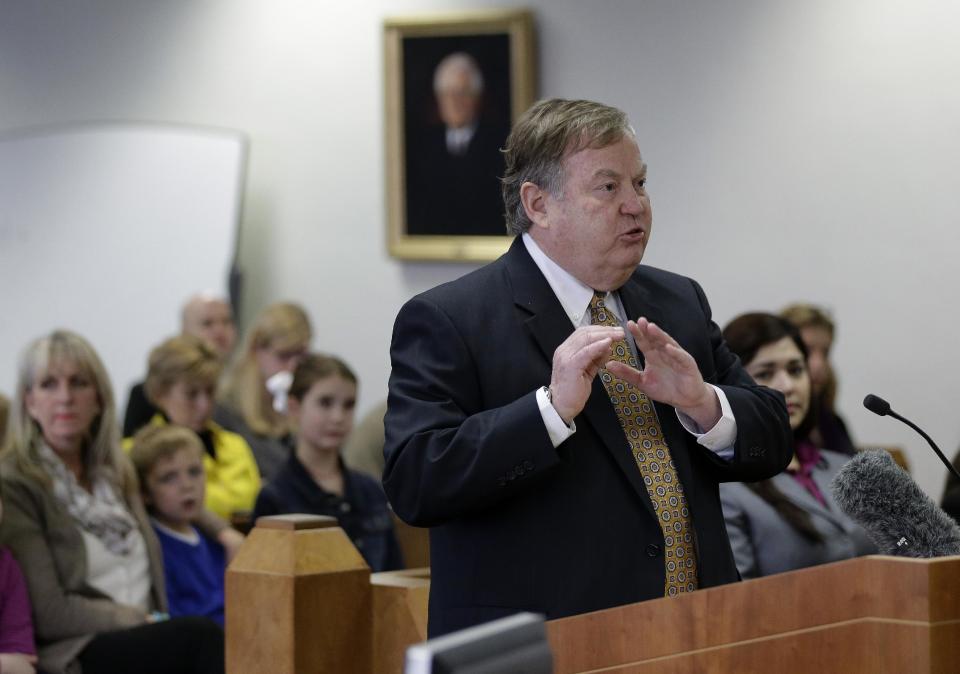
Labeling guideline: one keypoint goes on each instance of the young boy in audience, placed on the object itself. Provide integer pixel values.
(315, 480)
(18, 653)
(169, 463)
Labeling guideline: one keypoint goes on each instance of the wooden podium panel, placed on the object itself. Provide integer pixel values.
(872, 614)
(298, 600)
(399, 615)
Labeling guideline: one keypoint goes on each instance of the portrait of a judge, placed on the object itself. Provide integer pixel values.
(454, 139)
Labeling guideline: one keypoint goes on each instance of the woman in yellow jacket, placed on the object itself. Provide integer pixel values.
(181, 383)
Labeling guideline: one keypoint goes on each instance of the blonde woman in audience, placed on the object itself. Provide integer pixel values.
(791, 520)
(254, 390)
(181, 382)
(75, 522)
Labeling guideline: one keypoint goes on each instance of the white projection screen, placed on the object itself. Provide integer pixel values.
(105, 229)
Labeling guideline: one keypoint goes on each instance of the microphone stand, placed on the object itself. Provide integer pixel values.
(881, 408)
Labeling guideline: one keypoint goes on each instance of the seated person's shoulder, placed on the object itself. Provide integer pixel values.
(217, 551)
(736, 492)
(10, 471)
(228, 418)
(367, 487)
(228, 438)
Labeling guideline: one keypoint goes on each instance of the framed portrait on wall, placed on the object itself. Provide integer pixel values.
(454, 85)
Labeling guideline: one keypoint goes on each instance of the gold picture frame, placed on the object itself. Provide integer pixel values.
(440, 187)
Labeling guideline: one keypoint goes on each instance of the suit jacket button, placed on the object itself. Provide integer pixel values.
(653, 550)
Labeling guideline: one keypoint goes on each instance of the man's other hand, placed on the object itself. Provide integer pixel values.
(670, 375)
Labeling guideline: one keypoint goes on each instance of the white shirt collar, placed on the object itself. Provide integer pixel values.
(458, 139)
(574, 295)
(192, 538)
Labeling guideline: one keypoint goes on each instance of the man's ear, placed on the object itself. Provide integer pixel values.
(534, 200)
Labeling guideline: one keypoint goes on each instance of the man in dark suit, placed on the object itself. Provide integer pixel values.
(541, 494)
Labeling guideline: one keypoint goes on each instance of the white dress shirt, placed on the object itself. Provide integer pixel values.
(575, 299)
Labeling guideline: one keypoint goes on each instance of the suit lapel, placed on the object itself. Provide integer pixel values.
(800, 497)
(639, 301)
(547, 322)
(549, 326)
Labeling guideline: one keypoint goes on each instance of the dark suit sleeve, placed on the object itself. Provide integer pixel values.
(764, 444)
(447, 454)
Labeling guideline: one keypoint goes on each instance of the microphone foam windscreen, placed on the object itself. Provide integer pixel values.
(900, 518)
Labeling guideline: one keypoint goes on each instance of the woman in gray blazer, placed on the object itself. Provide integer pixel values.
(791, 520)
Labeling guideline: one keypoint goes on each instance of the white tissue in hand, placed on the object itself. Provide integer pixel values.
(278, 385)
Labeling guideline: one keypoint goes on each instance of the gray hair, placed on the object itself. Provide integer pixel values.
(540, 140)
(461, 61)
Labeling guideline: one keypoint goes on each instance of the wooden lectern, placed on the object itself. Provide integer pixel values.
(301, 600)
(874, 615)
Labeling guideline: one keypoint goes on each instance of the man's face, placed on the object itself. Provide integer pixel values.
(599, 227)
(456, 99)
(211, 321)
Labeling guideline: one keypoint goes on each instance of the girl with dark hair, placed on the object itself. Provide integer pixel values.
(315, 479)
(791, 520)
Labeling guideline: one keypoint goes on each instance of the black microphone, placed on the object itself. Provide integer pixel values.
(877, 405)
(881, 407)
(900, 518)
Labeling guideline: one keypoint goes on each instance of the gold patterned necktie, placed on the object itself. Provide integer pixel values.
(638, 418)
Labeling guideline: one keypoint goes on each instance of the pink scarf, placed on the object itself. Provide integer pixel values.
(808, 455)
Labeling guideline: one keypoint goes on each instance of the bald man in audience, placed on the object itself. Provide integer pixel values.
(210, 318)
(204, 315)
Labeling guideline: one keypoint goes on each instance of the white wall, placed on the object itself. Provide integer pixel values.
(797, 151)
